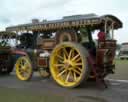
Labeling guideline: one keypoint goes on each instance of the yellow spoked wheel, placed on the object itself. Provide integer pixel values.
(68, 65)
(23, 68)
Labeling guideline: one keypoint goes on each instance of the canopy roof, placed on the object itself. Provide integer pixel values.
(68, 22)
(6, 34)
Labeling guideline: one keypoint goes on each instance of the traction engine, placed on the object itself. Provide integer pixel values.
(66, 50)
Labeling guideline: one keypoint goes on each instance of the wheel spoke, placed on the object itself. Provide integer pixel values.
(75, 57)
(21, 71)
(68, 75)
(22, 62)
(60, 57)
(77, 60)
(78, 64)
(26, 65)
(27, 70)
(61, 73)
(70, 54)
(61, 68)
(73, 53)
(65, 52)
(76, 71)
(74, 75)
(58, 65)
(65, 57)
(61, 61)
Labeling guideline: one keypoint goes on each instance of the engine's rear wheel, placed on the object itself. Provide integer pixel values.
(24, 69)
(68, 64)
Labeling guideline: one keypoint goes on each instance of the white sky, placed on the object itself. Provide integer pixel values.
(14, 12)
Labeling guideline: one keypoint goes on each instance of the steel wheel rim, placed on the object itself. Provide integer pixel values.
(69, 59)
(23, 68)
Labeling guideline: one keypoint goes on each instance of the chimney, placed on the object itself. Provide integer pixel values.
(35, 21)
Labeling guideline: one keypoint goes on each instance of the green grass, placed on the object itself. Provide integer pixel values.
(121, 70)
(15, 95)
(118, 61)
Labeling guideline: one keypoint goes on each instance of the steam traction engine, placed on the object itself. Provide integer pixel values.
(6, 56)
(65, 48)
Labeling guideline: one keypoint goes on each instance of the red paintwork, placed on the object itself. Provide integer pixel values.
(19, 52)
(100, 56)
(95, 74)
(42, 62)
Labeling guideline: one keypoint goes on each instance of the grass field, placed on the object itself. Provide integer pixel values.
(14, 95)
(121, 70)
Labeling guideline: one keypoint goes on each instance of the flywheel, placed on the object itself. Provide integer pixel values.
(66, 35)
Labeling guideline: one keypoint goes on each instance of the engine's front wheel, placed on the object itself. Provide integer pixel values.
(68, 64)
(24, 69)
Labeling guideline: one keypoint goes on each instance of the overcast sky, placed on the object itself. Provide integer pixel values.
(14, 12)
